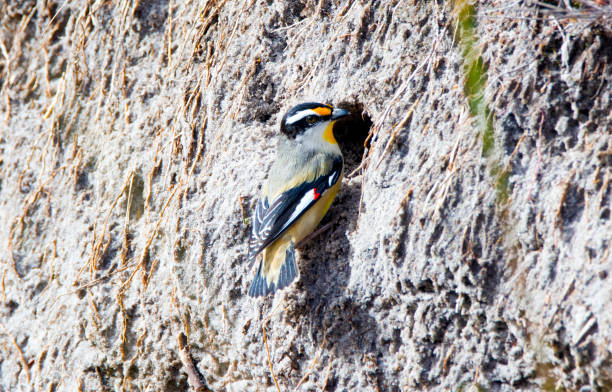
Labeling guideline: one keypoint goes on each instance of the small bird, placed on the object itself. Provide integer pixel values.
(302, 183)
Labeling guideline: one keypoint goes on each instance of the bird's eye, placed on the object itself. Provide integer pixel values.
(311, 119)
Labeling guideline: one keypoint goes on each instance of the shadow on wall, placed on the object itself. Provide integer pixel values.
(325, 267)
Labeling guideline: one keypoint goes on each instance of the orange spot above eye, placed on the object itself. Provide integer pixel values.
(322, 111)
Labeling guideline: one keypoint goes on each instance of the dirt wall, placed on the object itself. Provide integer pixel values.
(468, 248)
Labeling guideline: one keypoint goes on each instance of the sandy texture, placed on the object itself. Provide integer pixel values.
(134, 138)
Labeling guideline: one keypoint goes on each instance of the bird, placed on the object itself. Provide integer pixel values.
(302, 183)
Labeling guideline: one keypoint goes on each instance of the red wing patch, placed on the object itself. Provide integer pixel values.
(316, 194)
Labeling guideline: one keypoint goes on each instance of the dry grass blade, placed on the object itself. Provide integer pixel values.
(400, 92)
(23, 360)
(2, 285)
(312, 365)
(585, 10)
(98, 246)
(329, 366)
(398, 128)
(19, 224)
(424, 64)
(145, 250)
(263, 328)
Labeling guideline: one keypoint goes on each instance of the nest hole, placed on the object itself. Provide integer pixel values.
(352, 133)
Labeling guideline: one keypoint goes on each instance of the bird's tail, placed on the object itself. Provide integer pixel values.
(277, 269)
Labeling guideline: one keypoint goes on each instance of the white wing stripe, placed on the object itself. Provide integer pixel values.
(306, 200)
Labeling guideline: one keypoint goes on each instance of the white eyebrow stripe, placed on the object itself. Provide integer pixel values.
(300, 115)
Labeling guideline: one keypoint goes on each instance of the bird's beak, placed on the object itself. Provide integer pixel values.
(339, 113)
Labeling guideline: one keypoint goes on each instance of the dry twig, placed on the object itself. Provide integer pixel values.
(194, 377)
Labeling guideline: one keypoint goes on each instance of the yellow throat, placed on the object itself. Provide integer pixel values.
(328, 134)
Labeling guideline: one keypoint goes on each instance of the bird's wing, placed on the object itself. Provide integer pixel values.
(273, 219)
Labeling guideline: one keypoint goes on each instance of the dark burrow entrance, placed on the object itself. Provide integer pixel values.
(351, 134)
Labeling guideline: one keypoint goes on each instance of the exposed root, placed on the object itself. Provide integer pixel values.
(194, 377)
